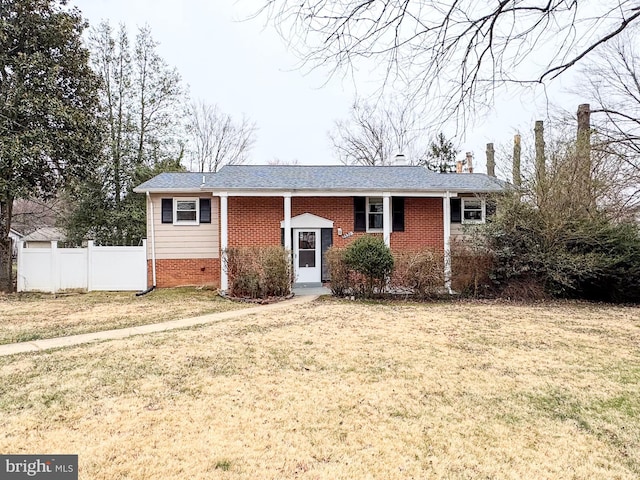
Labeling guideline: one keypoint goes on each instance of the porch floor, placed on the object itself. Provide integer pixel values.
(306, 291)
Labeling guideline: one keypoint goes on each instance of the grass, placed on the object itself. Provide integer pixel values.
(27, 317)
(344, 390)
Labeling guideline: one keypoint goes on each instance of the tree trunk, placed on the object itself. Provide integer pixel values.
(583, 155)
(541, 167)
(517, 178)
(491, 160)
(6, 277)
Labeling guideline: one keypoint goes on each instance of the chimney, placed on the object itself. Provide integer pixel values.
(470, 162)
(491, 160)
(400, 160)
(459, 166)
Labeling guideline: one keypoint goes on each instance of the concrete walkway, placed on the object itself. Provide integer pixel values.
(59, 342)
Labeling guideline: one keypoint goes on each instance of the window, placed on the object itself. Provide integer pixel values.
(473, 210)
(186, 211)
(374, 213)
(368, 214)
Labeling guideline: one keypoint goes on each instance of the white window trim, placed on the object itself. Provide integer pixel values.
(374, 230)
(175, 210)
(483, 210)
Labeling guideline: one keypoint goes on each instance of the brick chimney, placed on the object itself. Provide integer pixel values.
(470, 162)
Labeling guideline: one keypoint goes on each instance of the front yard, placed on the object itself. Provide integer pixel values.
(344, 390)
(33, 316)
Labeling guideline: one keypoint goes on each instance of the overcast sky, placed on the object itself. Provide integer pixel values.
(245, 68)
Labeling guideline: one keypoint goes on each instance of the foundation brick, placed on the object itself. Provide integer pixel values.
(185, 272)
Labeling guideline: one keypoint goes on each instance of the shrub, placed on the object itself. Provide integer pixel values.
(340, 273)
(418, 273)
(471, 267)
(572, 256)
(370, 257)
(258, 272)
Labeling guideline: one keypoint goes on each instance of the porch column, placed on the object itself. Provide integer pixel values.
(386, 219)
(446, 211)
(224, 241)
(287, 221)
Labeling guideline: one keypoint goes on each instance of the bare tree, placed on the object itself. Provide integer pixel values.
(375, 134)
(278, 161)
(216, 139)
(453, 51)
(612, 83)
(111, 60)
(159, 95)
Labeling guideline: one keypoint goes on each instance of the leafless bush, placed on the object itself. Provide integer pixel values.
(258, 272)
(418, 273)
(471, 266)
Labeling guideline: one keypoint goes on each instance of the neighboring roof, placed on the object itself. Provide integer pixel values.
(323, 178)
(15, 233)
(45, 234)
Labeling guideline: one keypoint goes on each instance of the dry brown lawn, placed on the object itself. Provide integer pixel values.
(26, 317)
(341, 390)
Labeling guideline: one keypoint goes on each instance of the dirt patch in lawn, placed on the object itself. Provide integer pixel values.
(25, 317)
(344, 390)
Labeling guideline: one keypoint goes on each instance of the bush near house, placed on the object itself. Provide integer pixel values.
(367, 267)
(418, 273)
(341, 275)
(586, 257)
(372, 259)
(258, 272)
(472, 264)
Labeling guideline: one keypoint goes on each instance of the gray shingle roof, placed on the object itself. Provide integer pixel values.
(174, 181)
(324, 178)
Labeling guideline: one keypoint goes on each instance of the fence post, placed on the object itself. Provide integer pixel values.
(89, 265)
(20, 286)
(55, 273)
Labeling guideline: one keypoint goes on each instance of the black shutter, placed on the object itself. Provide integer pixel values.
(205, 210)
(359, 214)
(326, 240)
(456, 210)
(397, 214)
(167, 210)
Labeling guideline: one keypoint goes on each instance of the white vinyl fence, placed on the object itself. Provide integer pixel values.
(90, 268)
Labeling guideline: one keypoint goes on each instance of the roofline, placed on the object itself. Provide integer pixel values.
(272, 192)
(170, 190)
(279, 192)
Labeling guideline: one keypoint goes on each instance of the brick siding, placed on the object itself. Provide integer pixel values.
(256, 221)
(184, 272)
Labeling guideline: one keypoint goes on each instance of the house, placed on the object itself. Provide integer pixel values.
(192, 218)
(42, 237)
(15, 237)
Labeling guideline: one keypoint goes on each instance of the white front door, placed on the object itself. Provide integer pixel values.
(306, 255)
